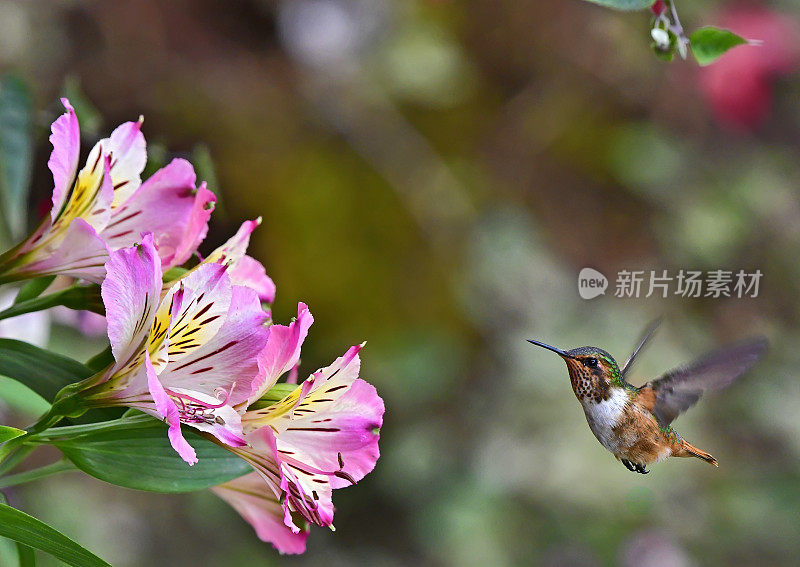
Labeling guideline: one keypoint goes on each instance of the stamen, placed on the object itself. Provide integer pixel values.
(193, 410)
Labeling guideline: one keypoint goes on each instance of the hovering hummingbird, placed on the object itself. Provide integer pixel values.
(634, 422)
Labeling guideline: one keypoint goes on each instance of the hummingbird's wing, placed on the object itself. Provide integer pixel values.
(679, 389)
(646, 336)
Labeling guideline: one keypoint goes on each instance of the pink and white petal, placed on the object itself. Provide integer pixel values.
(169, 206)
(131, 293)
(127, 148)
(158, 339)
(308, 490)
(294, 373)
(342, 439)
(197, 227)
(98, 212)
(256, 503)
(261, 453)
(168, 411)
(206, 300)
(282, 351)
(92, 195)
(236, 246)
(229, 359)
(250, 272)
(317, 394)
(65, 138)
(80, 253)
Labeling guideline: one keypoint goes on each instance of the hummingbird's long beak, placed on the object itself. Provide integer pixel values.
(558, 351)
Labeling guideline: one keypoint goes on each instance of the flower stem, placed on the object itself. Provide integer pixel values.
(75, 297)
(9, 449)
(68, 431)
(36, 474)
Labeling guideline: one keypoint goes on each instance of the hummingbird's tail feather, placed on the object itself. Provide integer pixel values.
(692, 451)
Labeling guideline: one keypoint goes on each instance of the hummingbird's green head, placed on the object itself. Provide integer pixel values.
(592, 370)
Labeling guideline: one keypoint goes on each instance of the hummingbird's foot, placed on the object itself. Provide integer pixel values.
(634, 467)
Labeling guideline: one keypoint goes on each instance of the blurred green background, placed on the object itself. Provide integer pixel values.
(432, 176)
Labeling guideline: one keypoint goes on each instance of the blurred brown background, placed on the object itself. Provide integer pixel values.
(432, 176)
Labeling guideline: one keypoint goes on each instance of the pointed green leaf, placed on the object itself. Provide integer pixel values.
(42, 371)
(709, 43)
(624, 4)
(7, 432)
(140, 456)
(26, 529)
(16, 152)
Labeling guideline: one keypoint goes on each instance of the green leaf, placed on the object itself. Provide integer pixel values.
(139, 456)
(33, 289)
(16, 152)
(7, 432)
(709, 43)
(74, 297)
(624, 4)
(29, 531)
(42, 371)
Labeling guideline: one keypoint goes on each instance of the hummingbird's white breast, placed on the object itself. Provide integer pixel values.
(603, 416)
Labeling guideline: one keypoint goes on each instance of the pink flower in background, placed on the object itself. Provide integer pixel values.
(105, 206)
(188, 357)
(738, 87)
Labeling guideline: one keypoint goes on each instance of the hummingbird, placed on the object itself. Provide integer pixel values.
(634, 423)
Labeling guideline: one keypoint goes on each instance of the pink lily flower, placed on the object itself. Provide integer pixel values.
(187, 356)
(322, 436)
(105, 207)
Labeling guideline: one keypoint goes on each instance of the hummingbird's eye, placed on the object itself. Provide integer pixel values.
(590, 362)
